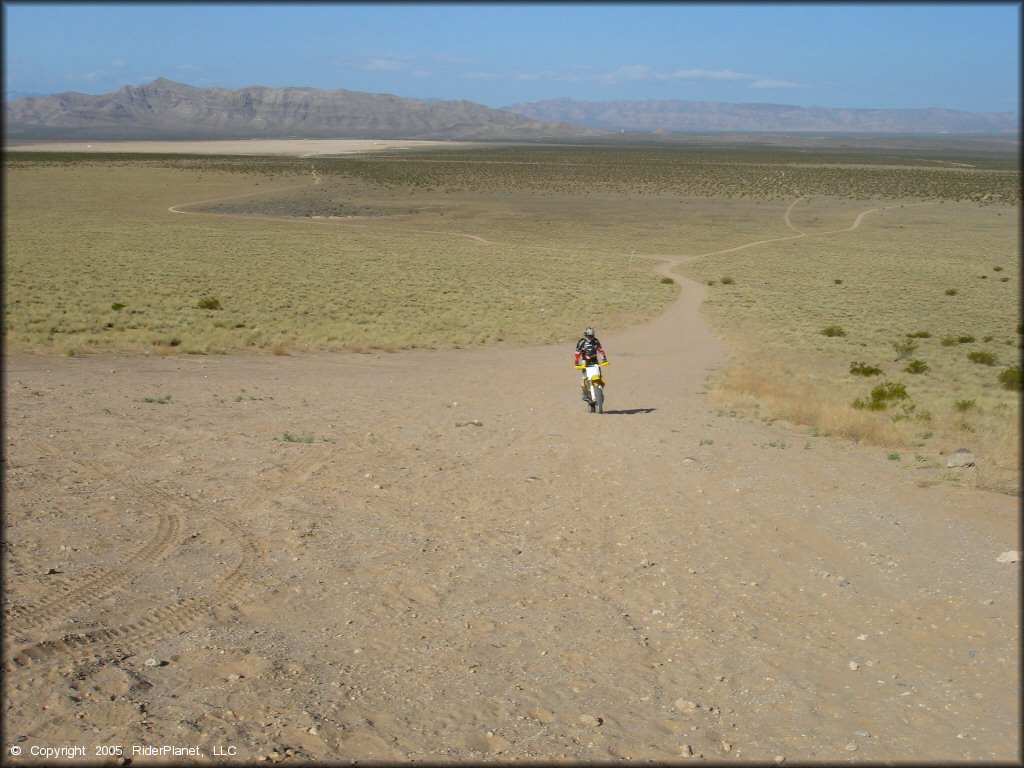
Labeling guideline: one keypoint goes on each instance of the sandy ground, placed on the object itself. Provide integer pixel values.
(299, 147)
(464, 564)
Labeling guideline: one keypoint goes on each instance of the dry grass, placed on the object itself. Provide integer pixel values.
(894, 271)
(81, 240)
(489, 245)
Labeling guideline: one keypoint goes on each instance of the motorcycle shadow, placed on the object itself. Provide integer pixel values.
(630, 411)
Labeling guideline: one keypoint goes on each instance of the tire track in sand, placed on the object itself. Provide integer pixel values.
(162, 622)
(171, 618)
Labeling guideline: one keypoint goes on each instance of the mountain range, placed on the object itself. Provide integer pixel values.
(701, 116)
(164, 109)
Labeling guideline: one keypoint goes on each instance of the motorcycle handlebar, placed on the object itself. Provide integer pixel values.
(581, 367)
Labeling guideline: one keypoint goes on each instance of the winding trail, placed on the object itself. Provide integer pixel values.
(464, 562)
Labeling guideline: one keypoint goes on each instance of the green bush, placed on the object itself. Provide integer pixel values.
(117, 306)
(967, 339)
(919, 335)
(916, 366)
(1010, 378)
(965, 405)
(727, 281)
(208, 303)
(668, 281)
(904, 348)
(862, 369)
(951, 291)
(833, 330)
(882, 396)
(983, 358)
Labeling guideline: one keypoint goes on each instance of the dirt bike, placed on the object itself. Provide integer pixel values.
(594, 386)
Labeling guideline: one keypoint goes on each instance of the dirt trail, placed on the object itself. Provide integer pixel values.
(464, 564)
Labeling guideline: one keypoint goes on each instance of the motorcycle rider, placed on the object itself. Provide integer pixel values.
(588, 347)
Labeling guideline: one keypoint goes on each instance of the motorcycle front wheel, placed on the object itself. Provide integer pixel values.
(599, 395)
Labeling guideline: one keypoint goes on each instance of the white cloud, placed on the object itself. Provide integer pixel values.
(641, 73)
(781, 84)
(448, 58)
(379, 64)
(704, 74)
(98, 75)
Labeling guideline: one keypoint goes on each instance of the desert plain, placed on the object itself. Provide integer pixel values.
(296, 467)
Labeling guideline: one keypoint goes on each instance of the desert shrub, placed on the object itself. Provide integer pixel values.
(882, 396)
(863, 369)
(711, 282)
(833, 330)
(997, 269)
(951, 291)
(117, 306)
(948, 341)
(916, 366)
(1010, 378)
(837, 281)
(983, 358)
(965, 405)
(727, 281)
(919, 335)
(904, 348)
(208, 303)
(668, 281)
(967, 339)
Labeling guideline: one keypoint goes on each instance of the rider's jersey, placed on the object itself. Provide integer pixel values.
(588, 349)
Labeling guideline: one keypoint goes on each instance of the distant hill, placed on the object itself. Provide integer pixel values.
(693, 116)
(167, 110)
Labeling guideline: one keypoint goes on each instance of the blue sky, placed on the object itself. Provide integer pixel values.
(866, 56)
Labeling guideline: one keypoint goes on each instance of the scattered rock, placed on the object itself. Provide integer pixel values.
(726, 746)
(686, 750)
(685, 705)
(961, 457)
(591, 721)
(1009, 557)
(779, 760)
(854, 666)
(155, 663)
(842, 581)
